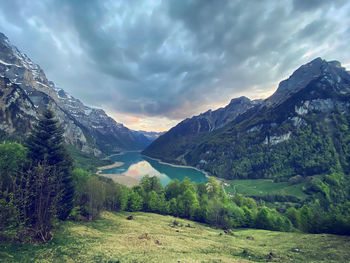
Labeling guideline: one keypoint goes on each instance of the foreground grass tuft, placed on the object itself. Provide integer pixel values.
(155, 238)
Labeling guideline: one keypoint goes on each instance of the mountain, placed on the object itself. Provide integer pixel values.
(146, 138)
(26, 92)
(188, 130)
(302, 129)
(108, 134)
(151, 135)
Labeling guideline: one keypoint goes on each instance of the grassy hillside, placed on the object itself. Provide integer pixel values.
(256, 187)
(153, 238)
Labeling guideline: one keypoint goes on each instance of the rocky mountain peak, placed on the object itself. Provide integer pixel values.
(303, 76)
(240, 100)
(205, 123)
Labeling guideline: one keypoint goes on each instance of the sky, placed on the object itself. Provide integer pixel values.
(150, 64)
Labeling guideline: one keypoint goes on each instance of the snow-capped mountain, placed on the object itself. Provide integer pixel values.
(92, 130)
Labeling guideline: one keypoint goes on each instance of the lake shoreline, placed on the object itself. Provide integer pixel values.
(118, 178)
(129, 181)
(219, 180)
(110, 166)
(114, 154)
(178, 165)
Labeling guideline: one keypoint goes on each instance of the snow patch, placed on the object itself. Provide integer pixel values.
(8, 64)
(40, 83)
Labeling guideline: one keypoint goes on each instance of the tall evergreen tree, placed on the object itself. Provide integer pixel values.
(45, 145)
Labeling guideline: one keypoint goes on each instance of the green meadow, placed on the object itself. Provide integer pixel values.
(258, 187)
(155, 238)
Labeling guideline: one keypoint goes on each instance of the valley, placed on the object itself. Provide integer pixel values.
(174, 131)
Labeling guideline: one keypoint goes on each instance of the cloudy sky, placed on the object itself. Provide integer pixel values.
(152, 63)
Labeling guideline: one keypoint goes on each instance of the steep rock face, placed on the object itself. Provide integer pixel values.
(301, 129)
(17, 112)
(18, 67)
(89, 129)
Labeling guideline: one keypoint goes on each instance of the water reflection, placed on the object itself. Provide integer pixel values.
(136, 166)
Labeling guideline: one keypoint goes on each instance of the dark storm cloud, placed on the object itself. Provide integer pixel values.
(173, 58)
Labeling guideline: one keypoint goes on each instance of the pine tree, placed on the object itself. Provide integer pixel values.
(45, 145)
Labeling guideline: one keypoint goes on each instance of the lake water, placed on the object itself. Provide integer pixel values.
(136, 166)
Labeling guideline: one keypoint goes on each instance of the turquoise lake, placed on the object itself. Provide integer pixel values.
(136, 166)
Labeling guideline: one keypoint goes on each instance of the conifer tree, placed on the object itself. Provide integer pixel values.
(45, 145)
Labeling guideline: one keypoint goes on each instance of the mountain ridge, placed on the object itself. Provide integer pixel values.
(90, 129)
(316, 95)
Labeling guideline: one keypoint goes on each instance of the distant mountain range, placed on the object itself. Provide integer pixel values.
(302, 129)
(151, 135)
(25, 92)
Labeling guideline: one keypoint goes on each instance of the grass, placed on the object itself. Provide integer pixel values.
(115, 239)
(263, 187)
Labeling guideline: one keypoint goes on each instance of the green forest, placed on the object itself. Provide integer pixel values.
(41, 185)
